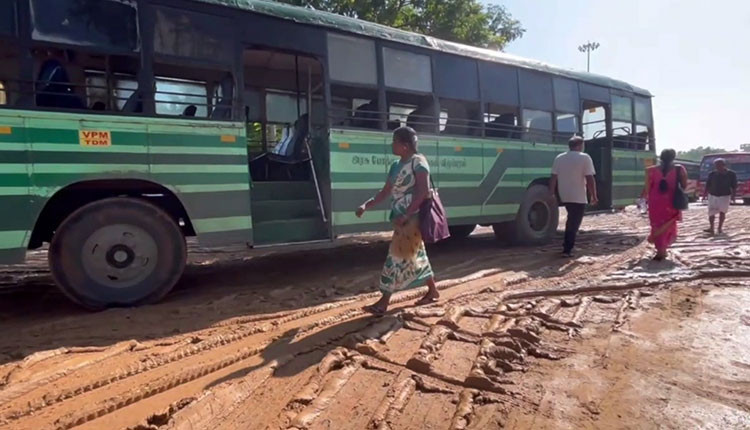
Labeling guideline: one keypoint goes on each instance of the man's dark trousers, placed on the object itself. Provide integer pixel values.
(575, 217)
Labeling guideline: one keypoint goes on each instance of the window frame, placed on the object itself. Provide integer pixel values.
(108, 50)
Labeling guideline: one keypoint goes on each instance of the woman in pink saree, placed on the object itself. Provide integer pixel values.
(661, 182)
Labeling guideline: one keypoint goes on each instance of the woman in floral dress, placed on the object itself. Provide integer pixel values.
(407, 265)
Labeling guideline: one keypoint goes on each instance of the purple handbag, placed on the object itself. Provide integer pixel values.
(433, 224)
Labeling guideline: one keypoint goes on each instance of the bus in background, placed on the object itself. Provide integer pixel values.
(128, 126)
(737, 161)
(693, 176)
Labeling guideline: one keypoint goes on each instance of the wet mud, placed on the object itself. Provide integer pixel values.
(276, 339)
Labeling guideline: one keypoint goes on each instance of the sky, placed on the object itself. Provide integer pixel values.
(691, 55)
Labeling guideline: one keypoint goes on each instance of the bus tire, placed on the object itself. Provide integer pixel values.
(537, 218)
(117, 252)
(461, 231)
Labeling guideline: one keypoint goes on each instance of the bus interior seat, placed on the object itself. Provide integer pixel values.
(190, 111)
(290, 152)
(54, 89)
(134, 104)
(99, 106)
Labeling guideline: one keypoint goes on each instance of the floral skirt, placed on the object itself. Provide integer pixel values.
(407, 265)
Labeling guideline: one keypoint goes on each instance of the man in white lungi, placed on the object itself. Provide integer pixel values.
(721, 188)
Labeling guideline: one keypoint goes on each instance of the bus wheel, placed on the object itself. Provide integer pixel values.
(537, 218)
(461, 231)
(117, 252)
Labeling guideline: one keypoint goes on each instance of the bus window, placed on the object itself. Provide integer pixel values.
(352, 60)
(191, 92)
(407, 71)
(622, 108)
(594, 122)
(501, 122)
(72, 79)
(537, 125)
(643, 110)
(109, 24)
(566, 125)
(186, 34)
(8, 17)
(3, 95)
(181, 97)
(459, 117)
(417, 112)
(356, 107)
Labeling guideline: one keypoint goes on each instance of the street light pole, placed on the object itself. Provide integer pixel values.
(587, 48)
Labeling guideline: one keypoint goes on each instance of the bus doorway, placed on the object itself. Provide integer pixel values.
(598, 144)
(287, 146)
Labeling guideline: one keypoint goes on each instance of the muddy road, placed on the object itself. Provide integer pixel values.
(276, 339)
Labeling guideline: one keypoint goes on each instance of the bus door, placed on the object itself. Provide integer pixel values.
(287, 146)
(598, 144)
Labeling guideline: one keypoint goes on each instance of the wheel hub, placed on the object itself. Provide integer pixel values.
(119, 256)
(539, 216)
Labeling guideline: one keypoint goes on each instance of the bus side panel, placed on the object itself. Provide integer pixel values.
(206, 165)
(538, 160)
(459, 172)
(15, 189)
(359, 164)
(503, 185)
(628, 171)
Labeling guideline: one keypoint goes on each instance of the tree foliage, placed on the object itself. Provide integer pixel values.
(464, 21)
(696, 154)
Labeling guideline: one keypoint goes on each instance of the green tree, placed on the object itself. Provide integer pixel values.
(696, 154)
(464, 21)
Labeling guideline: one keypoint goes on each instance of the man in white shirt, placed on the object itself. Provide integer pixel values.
(572, 175)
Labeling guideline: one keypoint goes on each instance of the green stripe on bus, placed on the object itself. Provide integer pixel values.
(14, 239)
(14, 168)
(203, 188)
(213, 225)
(197, 168)
(14, 191)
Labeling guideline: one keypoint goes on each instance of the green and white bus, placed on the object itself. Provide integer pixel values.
(128, 125)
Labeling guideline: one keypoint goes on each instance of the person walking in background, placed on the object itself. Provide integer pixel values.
(721, 188)
(572, 175)
(661, 183)
(407, 265)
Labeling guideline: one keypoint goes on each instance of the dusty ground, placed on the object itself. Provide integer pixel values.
(519, 339)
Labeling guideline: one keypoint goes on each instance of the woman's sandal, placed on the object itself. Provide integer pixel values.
(374, 310)
(426, 301)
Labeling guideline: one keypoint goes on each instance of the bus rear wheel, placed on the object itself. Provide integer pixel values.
(461, 231)
(536, 220)
(117, 252)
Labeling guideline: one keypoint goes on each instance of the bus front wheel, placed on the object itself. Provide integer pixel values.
(536, 220)
(117, 252)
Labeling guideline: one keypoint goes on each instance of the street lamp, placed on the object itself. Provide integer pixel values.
(587, 48)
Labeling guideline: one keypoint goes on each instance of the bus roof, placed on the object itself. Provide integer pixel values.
(379, 31)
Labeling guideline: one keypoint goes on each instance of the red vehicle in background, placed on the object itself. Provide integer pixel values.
(693, 176)
(737, 161)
